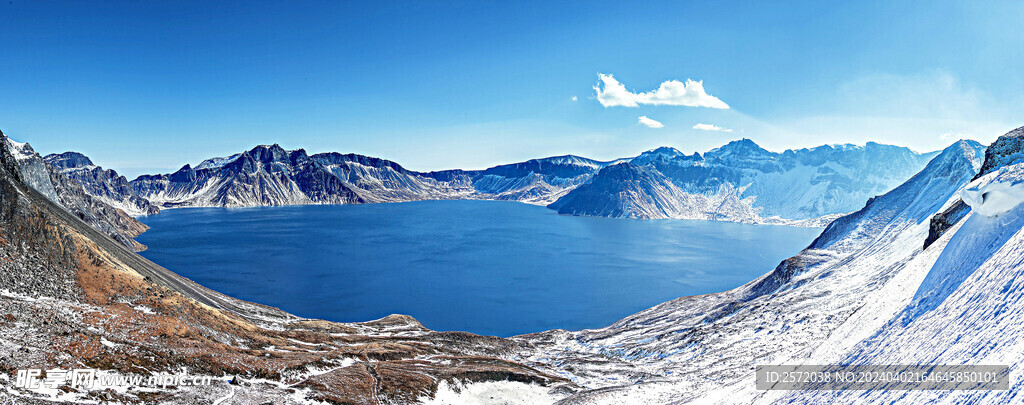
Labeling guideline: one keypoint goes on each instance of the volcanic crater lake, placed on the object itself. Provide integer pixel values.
(488, 267)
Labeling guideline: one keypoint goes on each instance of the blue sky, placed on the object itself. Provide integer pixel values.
(148, 86)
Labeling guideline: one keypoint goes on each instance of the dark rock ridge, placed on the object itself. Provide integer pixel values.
(752, 183)
(944, 220)
(107, 185)
(73, 197)
(1006, 150)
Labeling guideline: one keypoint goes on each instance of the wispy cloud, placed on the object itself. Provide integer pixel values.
(611, 93)
(925, 111)
(650, 123)
(711, 127)
(953, 136)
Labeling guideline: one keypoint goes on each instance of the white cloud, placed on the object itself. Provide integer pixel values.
(574, 98)
(954, 136)
(710, 127)
(650, 123)
(672, 92)
(925, 111)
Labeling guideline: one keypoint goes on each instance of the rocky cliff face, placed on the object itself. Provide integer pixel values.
(1005, 151)
(71, 196)
(72, 297)
(106, 185)
(743, 182)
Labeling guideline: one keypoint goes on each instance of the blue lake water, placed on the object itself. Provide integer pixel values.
(488, 267)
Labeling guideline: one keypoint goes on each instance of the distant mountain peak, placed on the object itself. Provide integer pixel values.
(68, 160)
(664, 154)
(269, 153)
(745, 143)
(568, 160)
(741, 148)
(666, 150)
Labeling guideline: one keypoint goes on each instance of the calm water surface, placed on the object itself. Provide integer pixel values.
(489, 267)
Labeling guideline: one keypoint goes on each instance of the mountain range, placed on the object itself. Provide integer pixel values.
(894, 282)
(271, 175)
(739, 181)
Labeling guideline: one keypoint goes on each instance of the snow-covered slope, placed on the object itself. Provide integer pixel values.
(968, 307)
(774, 187)
(814, 308)
(628, 190)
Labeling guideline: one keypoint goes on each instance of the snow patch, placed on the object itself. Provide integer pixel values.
(20, 150)
(217, 162)
(996, 193)
(491, 392)
(108, 343)
(144, 309)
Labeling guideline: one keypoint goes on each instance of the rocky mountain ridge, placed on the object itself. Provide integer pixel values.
(106, 185)
(69, 194)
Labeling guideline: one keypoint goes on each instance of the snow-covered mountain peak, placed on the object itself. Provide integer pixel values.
(812, 309)
(217, 162)
(20, 150)
(972, 150)
(839, 146)
(665, 151)
(665, 155)
(741, 147)
(570, 160)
